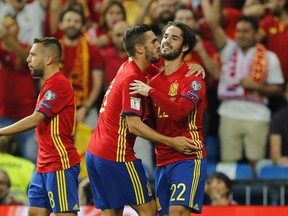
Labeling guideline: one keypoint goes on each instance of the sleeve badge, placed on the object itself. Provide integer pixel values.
(196, 86)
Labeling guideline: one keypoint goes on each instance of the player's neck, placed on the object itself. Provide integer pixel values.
(172, 65)
(49, 72)
(143, 64)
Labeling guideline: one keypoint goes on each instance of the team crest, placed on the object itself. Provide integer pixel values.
(173, 89)
(196, 86)
(49, 95)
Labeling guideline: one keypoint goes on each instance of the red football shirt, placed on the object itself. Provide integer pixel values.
(275, 39)
(179, 104)
(111, 139)
(56, 150)
(112, 63)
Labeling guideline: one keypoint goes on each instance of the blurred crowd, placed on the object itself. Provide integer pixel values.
(242, 45)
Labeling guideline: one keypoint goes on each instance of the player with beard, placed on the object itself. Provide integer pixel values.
(179, 103)
(55, 182)
(116, 176)
(82, 64)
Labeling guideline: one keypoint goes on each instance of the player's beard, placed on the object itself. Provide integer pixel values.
(152, 57)
(171, 55)
(37, 73)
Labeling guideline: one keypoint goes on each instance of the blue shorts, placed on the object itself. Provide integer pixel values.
(116, 184)
(56, 191)
(181, 183)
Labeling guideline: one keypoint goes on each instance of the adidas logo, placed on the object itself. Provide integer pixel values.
(196, 206)
(76, 207)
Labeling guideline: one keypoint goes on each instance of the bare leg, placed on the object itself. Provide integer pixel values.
(179, 211)
(146, 209)
(36, 211)
(112, 212)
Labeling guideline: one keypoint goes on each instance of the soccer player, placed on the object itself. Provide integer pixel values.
(179, 103)
(55, 182)
(117, 177)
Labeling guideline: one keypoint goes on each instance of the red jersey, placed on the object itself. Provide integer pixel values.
(56, 150)
(17, 89)
(112, 63)
(275, 39)
(111, 140)
(179, 104)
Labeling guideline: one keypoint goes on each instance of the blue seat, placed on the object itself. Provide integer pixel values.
(243, 170)
(273, 172)
(212, 146)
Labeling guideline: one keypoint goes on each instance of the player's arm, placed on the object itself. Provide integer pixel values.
(170, 107)
(138, 128)
(24, 124)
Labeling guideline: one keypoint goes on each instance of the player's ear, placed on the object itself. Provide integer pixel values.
(48, 59)
(139, 48)
(185, 48)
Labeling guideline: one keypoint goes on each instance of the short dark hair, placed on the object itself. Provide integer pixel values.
(250, 19)
(135, 35)
(189, 37)
(53, 43)
(107, 6)
(221, 176)
(72, 9)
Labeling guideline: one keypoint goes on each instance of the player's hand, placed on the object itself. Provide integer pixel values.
(196, 69)
(139, 87)
(184, 145)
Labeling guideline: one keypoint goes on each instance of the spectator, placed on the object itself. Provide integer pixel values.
(5, 184)
(218, 188)
(164, 12)
(17, 88)
(115, 55)
(19, 169)
(51, 24)
(249, 73)
(83, 65)
(29, 16)
(273, 31)
(278, 138)
(113, 12)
